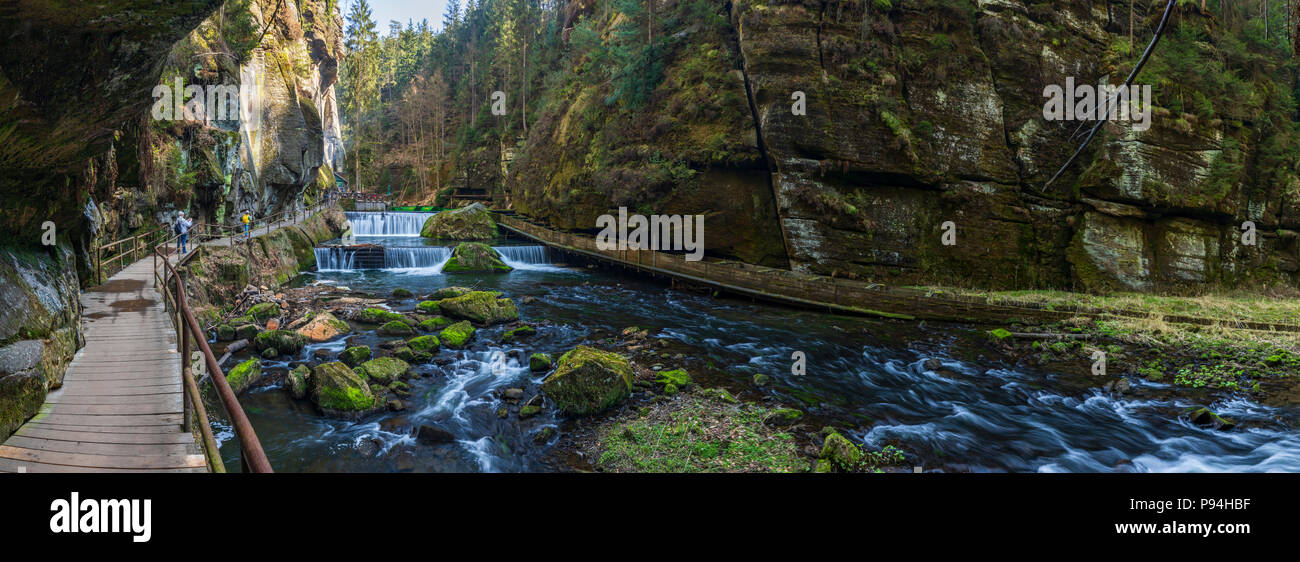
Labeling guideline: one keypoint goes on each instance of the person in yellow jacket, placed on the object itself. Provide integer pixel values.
(246, 220)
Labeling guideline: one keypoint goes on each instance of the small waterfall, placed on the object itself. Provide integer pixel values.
(520, 257)
(342, 258)
(387, 224)
(417, 257)
(334, 259)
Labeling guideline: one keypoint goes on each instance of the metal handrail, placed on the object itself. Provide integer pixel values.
(252, 457)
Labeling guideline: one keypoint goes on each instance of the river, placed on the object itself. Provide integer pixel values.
(976, 413)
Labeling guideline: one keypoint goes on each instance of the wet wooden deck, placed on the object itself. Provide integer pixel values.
(119, 409)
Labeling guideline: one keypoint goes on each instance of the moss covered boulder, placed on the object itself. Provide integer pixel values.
(457, 335)
(449, 292)
(243, 375)
(411, 356)
(473, 222)
(480, 307)
(427, 307)
(520, 332)
(337, 390)
(841, 452)
(354, 356)
(225, 332)
(475, 257)
(297, 381)
(323, 326)
(540, 362)
(428, 344)
(434, 324)
(282, 341)
(379, 316)
(383, 370)
(677, 377)
(264, 311)
(246, 331)
(588, 380)
(396, 328)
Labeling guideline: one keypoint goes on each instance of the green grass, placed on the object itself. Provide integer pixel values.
(695, 434)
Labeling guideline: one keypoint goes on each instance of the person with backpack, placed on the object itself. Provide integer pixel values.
(246, 220)
(182, 227)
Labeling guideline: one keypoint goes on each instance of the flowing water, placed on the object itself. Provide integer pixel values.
(973, 414)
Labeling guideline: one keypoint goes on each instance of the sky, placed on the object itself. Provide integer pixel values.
(403, 11)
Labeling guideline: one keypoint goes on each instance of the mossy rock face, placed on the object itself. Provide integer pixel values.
(264, 311)
(383, 369)
(449, 292)
(480, 307)
(427, 343)
(589, 380)
(435, 323)
(473, 222)
(297, 381)
(283, 341)
(396, 328)
(244, 375)
(677, 377)
(246, 331)
(457, 335)
(540, 362)
(354, 356)
(379, 316)
(324, 327)
(840, 451)
(337, 390)
(522, 331)
(475, 257)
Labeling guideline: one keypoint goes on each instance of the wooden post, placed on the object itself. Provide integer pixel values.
(185, 373)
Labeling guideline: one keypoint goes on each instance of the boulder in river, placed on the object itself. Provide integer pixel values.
(522, 331)
(264, 311)
(297, 381)
(337, 390)
(589, 380)
(540, 362)
(841, 452)
(1204, 417)
(379, 316)
(354, 356)
(427, 343)
(473, 222)
(457, 335)
(434, 435)
(435, 323)
(282, 341)
(396, 328)
(480, 307)
(475, 257)
(244, 375)
(449, 292)
(383, 369)
(324, 326)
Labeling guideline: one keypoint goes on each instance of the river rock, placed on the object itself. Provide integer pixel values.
(457, 335)
(588, 381)
(540, 362)
(396, 328)
(480, 307)
(434, 435)
(841, 452)
(243, 375)
(282, 341)
(337, 390)
(297, 381)
(427, 344)
(264, 311)
(324, 327)
(383, 369)
(473, 222)
(475, 257)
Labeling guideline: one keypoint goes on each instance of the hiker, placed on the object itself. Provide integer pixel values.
(182, 229)
(246, 219)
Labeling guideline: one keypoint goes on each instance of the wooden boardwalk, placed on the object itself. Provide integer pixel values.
(120, 407)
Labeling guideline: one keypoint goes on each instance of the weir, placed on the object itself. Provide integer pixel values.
(368, 256)
(387, 223)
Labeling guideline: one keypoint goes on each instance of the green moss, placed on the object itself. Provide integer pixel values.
(354, 356)
(244, 375)
(720, 394)
(379, 316)
(678, 377)
(396, 328)
(457, 335)
(841, 452)
(383, 369)
(427, 307)
(264, 311)
(480, 307)
(539, 362)
(283, 341)
(588, 380)
(999, 334)
(516, 333)
(427, 343)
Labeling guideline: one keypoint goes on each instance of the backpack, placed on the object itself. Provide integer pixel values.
(176, 226)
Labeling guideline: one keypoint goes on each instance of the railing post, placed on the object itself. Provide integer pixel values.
(179, 321)
(185, 373)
